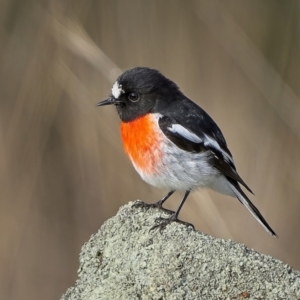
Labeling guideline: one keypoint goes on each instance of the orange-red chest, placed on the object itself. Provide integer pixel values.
(141, 141)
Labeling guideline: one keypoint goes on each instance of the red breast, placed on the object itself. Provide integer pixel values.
(141, 141)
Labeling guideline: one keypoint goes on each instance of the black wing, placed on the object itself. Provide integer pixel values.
(184, 138)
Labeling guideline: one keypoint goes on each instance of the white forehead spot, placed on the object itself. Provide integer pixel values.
(117, 90)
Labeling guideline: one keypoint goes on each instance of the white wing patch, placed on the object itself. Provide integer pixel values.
(176, 128)
(117, 90)
(214, 144)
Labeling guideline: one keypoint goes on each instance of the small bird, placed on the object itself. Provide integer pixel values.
(172, 142)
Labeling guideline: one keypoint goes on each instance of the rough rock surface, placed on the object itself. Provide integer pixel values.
(124, 260)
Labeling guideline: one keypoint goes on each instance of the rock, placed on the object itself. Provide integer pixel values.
(125, 260)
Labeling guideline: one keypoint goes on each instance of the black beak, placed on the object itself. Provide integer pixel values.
(109, 101)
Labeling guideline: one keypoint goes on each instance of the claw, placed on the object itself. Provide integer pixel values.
(140, 204)
(163, 222)
(158, 205)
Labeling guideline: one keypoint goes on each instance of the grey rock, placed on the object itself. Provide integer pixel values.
(124, 260)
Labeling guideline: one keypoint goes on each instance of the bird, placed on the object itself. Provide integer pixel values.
(173, 143)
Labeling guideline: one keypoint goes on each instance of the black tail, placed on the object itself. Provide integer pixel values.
(250, 206)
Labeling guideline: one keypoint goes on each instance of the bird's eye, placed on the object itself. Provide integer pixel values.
(133, 97)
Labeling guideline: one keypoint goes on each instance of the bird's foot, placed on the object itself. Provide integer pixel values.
(158, 204)
(163, 222)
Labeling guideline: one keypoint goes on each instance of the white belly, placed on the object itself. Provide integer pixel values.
(180, 170)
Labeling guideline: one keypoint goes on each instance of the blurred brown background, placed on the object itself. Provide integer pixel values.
(63, 171)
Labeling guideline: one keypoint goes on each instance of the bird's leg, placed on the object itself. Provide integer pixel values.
(163, 222)
(157, 204)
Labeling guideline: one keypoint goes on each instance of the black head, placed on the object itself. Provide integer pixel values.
(140, 91)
